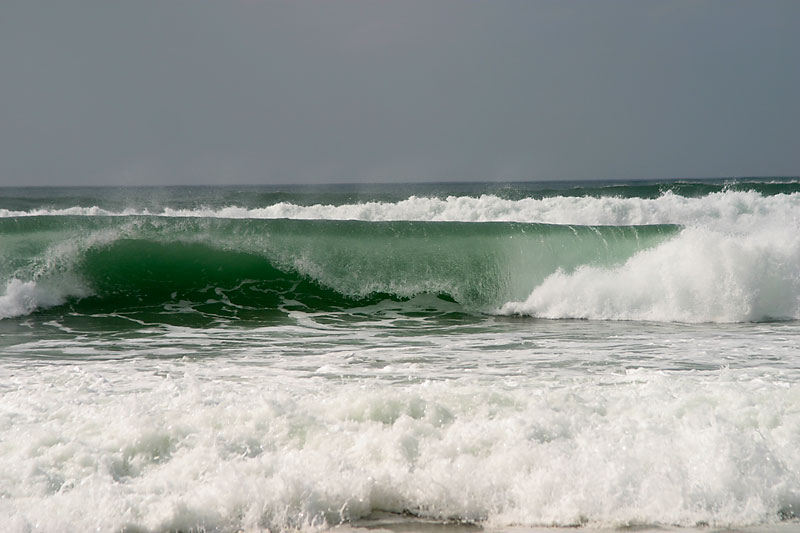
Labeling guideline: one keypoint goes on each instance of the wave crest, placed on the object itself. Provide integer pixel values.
(737, 210)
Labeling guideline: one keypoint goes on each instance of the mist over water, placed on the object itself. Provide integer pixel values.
(600, 355)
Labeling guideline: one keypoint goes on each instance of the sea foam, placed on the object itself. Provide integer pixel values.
(698, 276)
(191, 449)
(23, 297)
(719, 209)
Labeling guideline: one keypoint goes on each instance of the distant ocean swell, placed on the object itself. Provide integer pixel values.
(726, 210)
(725, 257)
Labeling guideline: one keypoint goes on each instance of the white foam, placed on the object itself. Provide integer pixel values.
(189, 448)
(720, 210)
(50, 278)
(68, 211)
(24, 297)
(699, 276)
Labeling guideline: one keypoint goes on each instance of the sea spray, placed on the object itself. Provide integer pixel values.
(699, 276)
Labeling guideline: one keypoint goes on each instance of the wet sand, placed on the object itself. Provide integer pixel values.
(399, 523)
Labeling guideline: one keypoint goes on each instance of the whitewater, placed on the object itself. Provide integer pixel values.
(462, 356)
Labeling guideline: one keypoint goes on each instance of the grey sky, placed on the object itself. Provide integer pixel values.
(212, 91)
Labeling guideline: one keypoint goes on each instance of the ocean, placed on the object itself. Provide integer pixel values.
(417, 357)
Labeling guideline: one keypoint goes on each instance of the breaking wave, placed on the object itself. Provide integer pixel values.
(728, 256)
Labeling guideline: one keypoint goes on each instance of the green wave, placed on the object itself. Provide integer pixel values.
(250, 266)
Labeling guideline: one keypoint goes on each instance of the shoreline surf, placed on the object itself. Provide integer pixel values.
(222, 359)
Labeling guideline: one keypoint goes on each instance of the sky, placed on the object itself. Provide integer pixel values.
(154, 92)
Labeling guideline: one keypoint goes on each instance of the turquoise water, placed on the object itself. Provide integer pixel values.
(505, 355)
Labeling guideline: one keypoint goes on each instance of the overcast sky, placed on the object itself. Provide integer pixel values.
(214, 92)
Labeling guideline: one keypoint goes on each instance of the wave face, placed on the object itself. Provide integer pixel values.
(730, 255)
(236, 266)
